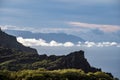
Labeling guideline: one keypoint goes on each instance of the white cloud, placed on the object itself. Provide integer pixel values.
(42, 30)
(105, 28)
(100, 44)
(54, 43)
(6, 27)
(41, 42)
(68, 44)
(78, 27)
(89, 44)
(10, 27)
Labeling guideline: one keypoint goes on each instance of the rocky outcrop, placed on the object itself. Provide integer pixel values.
(10, 41)
(75, 60)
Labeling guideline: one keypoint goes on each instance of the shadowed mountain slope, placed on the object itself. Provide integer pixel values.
(10, 41)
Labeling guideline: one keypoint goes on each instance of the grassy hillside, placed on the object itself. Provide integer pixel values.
(63, 74)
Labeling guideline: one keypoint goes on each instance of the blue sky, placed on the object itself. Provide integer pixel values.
(69, 16)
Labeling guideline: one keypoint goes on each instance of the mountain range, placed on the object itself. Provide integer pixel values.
(59, 37)
(93, 36)
(96, 35)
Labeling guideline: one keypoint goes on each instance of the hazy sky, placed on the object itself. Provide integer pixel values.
(61, 15)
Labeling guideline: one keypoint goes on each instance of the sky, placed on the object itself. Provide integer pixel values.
(68, 16)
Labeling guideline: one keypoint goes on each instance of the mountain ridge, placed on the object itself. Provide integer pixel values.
(97, 36)
(10, 41)
(59, 37)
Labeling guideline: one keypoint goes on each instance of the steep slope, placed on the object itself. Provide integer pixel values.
(59, 37)
(14, 56)
(15, 60)
(11, 42)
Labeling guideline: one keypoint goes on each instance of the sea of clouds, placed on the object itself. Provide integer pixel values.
(41, 42)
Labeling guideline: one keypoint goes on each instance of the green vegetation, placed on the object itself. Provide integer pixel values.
(43, 74)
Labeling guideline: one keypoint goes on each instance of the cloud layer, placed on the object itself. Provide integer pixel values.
(74, 27)
(104, 28)
(41, 42)
(43, 30)
(11, 27)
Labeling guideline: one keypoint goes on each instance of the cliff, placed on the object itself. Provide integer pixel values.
(10, 41)
(73, 60)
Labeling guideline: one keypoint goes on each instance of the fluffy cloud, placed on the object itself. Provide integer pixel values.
(68, 44)
(41, 42)
(105, 28)
(101, 44)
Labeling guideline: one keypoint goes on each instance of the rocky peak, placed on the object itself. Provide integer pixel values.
(73, 60)
(77, 54)
(9, 41)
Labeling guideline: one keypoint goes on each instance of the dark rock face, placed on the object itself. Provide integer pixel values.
(77, 60)
(11, 42)
(74, 60)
